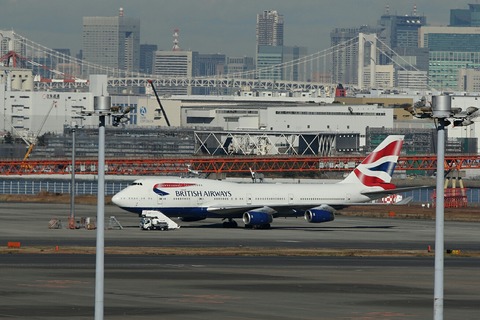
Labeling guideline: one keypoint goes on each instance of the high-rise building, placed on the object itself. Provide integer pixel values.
(147, 54)
(208, 65)
(295, 71)
(269, 28)
(469, 80)
(237, 66)
(400, 33)
(268, 60)
(450, 49)
(465, 17)
(174, 64)
(112, 41)
(269, 50)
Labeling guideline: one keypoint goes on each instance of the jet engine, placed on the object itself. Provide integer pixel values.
(317, 215)
(255, 218)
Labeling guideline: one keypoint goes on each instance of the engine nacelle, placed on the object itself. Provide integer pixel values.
(257, 218)
(319, 215)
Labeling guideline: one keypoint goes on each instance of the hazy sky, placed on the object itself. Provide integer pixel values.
(209, 26)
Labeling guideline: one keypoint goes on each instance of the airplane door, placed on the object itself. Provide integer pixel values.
(159, 200)
(348, 197)
(290, 198)
(249, 198)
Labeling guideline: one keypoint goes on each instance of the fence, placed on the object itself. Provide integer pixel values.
(31, 187)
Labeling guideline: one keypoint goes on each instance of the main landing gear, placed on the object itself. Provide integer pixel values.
(230, 223)
(257, 226)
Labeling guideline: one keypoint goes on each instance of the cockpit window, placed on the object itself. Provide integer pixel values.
(136, 184)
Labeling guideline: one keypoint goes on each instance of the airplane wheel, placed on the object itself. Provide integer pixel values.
(230, 224)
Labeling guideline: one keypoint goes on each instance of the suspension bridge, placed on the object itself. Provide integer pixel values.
(55, 70)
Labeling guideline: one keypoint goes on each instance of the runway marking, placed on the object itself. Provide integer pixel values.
(381, 315)
(53, 283)
(204, 298)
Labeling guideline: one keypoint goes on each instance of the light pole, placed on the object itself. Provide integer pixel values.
(444, 114)
(102, 108)
(71, 223)
(441, 110)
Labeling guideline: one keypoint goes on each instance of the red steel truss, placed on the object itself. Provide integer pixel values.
(239, 164)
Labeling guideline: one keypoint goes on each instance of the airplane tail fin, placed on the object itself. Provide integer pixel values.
(377, 168)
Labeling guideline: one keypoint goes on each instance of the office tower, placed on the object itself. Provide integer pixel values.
(268, 60)
(465, 17)
(237, 66)
(208, 65)
(400, 31)
(269, 50)
(269, 28)
(295, 71)
(112, 41)
(450, 49)
(174, 64)
(400, 34)
(147, 54)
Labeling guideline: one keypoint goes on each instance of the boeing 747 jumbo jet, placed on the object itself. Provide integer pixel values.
(192, 199)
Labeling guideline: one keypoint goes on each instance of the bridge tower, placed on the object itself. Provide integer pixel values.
(362, 39)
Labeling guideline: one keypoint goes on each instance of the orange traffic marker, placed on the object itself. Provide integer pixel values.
(13, 244)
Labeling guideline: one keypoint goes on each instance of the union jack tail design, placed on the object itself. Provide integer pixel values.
(377, 168)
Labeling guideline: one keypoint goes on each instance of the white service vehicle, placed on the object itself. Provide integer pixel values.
(155, 220)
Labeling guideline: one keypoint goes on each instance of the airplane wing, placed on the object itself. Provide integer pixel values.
(287, 210)
(384, 193)
(274, 210)
(233, 211)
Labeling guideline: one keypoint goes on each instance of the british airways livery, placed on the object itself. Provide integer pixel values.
(192, 199)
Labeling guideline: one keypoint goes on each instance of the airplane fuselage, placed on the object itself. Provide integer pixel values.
(186, 197)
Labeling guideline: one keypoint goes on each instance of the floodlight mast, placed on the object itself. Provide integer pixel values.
(441, 110)
(443, 113)
(101, 108)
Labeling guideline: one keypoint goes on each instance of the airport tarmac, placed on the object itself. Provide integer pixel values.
(153, 286)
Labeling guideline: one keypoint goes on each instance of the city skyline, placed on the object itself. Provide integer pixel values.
(208, 26)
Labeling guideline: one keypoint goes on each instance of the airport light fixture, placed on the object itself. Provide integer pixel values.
(71, 224)
(444, 115)
(102, 108)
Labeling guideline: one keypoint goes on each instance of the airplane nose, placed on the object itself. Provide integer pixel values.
(116, 199)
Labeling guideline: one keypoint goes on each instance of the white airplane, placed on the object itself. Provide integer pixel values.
(192, 199)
